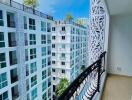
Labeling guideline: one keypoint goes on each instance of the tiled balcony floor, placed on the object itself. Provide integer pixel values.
(118, 88)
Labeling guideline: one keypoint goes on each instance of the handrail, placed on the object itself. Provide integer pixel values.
(27, 9)
(72, 88)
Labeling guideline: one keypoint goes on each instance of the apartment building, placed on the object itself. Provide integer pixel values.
(69, 50)
(25, 53)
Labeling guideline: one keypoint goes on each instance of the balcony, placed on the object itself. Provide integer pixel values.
(110, 31)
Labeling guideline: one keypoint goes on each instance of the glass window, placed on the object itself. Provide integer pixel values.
(48, 39)
(33, 67)
(49, 50)
(13, 57)
(12, 39)
(32, 53)
(53, 37)
(43, 26)
(4, 96)
(48, 27)
(53, 45)
(63, 46)
(11, 20)
(26, 54)
(44, 85)
(32, 24)
(2, 42)
(43, 63)
(44, 74)
(25, 22)
(32, 39)
(33, 80)
(3, 80)
(43, 51)
(2, 60)
(53, 54)
(53, 28)
(44, 97)
(1, 18)
(63, 71)
(34, 94)
(49, 61)
(63, 28)
(63, 37)
(43, 39)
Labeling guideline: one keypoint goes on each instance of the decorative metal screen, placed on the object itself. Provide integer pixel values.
(97, 29)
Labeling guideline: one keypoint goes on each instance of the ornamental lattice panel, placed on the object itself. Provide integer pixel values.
(97, 29)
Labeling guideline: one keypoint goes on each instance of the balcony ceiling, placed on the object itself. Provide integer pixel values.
(119, 7)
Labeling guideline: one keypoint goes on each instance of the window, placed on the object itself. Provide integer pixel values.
(27, 69)
(49, 93)
(34, 94)
(25, 22)
(32, 39)
(2, 60)
(53, 45)
(11, 39)
(44, 97)
(26, 54)
(32, 53)
(53, 54)
(53, 37)
(53, 62)
(13, 57)
(43, 63)
(2, 42)
(43, 26)
(33, 67)
(32, 24)
(43, 39)
(1, 18)
(27, 84)
(43, 51)
(4, 96)
(63, 55)
(53, 78)
(49, 50)
(33, 80)
(54, 88)
(15, 93)
(49, 82)
(53, 70)
(10, 20)
(44, 74)
(63, 37)
(44, 85)
(63, 71)
(53, 28)
(49, 61)
(3, 80)
(63, 28)
(14, 75)
(63, 46)
(48, 27)
(48, 39)
(26, 39)
(49, 71)
(62, 63)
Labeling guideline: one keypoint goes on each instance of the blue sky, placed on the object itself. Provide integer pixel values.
(59, 8)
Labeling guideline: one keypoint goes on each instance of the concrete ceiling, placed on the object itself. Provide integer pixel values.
(119, 7)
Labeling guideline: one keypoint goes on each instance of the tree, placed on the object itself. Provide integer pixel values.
(69, 17)
(61, 86)
(31, 3)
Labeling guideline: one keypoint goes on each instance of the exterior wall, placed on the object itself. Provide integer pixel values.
(20, 49)
(120, 39)
(75, 56)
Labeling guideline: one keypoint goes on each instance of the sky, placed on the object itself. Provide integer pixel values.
(60, 8)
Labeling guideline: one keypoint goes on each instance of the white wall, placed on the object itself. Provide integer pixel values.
(120, 45)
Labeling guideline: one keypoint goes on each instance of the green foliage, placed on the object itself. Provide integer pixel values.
(31, 3)
(69, 17)
(62, 86)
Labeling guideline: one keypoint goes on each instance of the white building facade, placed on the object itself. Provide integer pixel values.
(25, 53)
(69, 50)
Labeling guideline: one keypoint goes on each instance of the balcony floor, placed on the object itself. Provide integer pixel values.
(118, 88)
